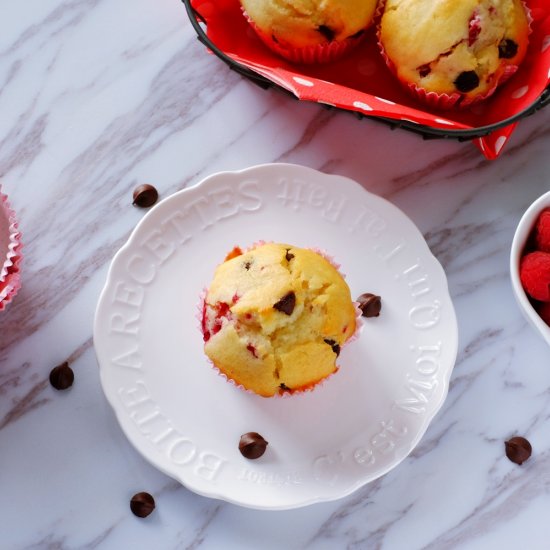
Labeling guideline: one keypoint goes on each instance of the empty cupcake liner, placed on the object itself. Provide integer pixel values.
(10, 252)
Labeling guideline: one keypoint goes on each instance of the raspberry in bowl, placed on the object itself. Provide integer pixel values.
(530, 265)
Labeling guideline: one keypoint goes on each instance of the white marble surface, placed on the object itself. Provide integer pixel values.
(99, 95)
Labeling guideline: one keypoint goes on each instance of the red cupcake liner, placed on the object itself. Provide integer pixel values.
(10, 253)
(448, 101)
(320, 53)
(308, 55)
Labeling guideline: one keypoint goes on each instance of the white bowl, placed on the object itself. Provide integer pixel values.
(525, 226)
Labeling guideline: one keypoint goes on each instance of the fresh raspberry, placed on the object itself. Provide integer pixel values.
(534, 273)
(542, 231)
(544, 311)
(474, 28)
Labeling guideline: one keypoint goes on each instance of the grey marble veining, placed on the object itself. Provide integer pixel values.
(98, 96)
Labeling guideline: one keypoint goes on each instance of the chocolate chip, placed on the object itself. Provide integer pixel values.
(507, 49)
(62, 376)
(247, 265)
(284, 387)
(327, 32)
(466, 81)
(142, 504)
(334, 345)
(370, 304)
(286, 303)
(252, 445)
(424, 70)
(288, 255)
(518, 449)
(145, 195)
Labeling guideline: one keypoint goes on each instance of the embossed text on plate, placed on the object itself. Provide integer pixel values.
(157, 428)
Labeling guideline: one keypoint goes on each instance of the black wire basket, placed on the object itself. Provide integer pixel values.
(427, 132)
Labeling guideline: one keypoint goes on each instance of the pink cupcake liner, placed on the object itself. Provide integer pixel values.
(10, 253)
(200, 316)
(455, 100)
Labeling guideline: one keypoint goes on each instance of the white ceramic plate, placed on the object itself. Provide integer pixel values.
(187, 420)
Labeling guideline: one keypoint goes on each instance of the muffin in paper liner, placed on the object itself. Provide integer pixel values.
(314, 54)
(321, 53)
(458, 100)
(283, 393)
(10, 250)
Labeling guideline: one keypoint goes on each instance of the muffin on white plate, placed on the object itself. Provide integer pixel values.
(275, 318)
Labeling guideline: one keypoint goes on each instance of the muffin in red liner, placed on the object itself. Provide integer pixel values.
(310, 32)
(455, 55)
(10, 253)
(361, 82)
(319, 53)
(275, 317)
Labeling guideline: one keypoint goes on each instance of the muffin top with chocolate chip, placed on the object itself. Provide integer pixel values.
(449, 46)
(275, 318)
(303, 23)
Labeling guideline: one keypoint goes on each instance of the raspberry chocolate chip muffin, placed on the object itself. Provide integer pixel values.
(453, 52)
(310, 31)
(275, 317)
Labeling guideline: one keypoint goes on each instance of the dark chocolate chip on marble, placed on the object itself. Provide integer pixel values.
(466, 81)
(507, 49)
(145, 195)
(334, 345)
(286, 303)
(518, 449)
(327, 32)
(62, 376)
(252, 445)
(370, 304)
(142, 504)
